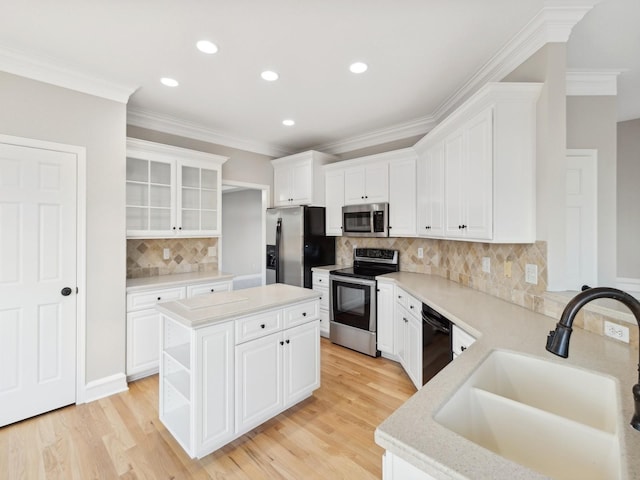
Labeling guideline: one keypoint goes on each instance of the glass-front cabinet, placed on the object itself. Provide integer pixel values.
(172, 191)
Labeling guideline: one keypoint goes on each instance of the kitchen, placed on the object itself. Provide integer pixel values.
(104, 132)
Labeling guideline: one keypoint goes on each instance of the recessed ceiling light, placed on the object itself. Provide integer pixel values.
(269, 76)
(205, 46)
(169, 82)
(358, 67)
(288, 122)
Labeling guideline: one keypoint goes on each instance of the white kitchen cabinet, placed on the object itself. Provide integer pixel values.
(430, 204)
(320, 283)
(408, 335)
(196, 385)
(334, 200)
(468, 179)
(299, 179)
(368, 183)
(143, 322)
(395, 468)
(460, 340)
(488, 153)
(386, 302)
(402, 196)
(274, 372)
(172, 191)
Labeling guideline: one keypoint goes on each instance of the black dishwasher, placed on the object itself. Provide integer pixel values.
(436, 342)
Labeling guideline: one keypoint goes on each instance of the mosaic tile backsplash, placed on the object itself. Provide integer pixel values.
(145, 256)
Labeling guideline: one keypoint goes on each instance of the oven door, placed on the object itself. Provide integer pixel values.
(353, 302)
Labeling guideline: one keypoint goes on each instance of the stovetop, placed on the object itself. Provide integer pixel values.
(371, 262)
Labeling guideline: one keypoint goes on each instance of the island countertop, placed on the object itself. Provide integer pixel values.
(412, 433)
(216, 307)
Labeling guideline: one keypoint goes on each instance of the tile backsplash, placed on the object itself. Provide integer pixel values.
(145, 257)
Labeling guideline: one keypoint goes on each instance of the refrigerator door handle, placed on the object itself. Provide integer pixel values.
(277, 256)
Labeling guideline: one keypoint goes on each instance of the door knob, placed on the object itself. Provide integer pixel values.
(66, 291)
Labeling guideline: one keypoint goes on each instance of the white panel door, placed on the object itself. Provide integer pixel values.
(302, 361)
(37, 261)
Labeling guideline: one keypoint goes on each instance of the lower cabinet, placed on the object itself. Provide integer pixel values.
(395, 468)
(408, 336)
(217, 382)
(386, 300)
(143, 322)
(321, 285)
(460, 341)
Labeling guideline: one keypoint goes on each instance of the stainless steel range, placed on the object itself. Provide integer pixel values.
(352, 296)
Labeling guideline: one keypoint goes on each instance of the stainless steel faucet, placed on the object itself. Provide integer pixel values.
(558, 339)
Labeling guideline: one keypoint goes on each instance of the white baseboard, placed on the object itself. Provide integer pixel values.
(629, 285)
(105, 386)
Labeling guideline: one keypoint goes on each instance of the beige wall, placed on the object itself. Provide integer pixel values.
(45, 112)
(548, 65)
(628, 177)
(591, 123)
(242, 166)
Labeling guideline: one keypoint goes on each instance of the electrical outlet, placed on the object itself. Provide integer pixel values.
(507, 269)
(166, 253)
(619, 332)
(486, 264)
(531, 273)
(420, 252)
(211, 251)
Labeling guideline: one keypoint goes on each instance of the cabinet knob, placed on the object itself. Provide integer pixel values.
(366, 196)
(212, 290)
(304, 314)
(411, 306)
(262, 325)
(463, 348)
(319, 280)
(159, 298)
(174, 228)
(320, 298)
(287, 342)
(405, 320)
(281, 342)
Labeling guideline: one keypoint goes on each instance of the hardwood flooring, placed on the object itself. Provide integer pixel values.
(328, 436)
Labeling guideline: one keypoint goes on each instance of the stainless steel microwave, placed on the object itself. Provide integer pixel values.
(368, 220)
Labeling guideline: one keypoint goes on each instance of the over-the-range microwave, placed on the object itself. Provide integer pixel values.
(367, 220)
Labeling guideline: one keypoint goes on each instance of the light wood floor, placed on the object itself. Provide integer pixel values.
(328, 436)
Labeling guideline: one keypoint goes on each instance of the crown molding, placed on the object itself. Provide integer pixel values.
(553, 24)
(47, 71)
(419, 126)
(175, 126)
(592, 83)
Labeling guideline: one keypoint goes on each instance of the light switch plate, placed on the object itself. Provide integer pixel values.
(507, 269)
(420, 252)
(211, 251)
(486, 264)
(166, 253)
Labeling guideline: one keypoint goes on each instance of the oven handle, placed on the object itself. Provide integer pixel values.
(353, 280)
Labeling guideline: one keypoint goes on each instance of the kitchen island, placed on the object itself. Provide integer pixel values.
(232, 360)
(419, 447)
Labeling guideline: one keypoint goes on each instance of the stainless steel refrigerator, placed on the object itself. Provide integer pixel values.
(296, 242)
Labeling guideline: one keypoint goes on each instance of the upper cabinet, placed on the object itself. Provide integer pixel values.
(172, 191)
(402, 195)
(299, 180)
(476, 169)
(366, 183)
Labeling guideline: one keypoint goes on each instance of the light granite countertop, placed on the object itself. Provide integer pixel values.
(411, 432)
(175, 280)
(208, 309)
(328, 268)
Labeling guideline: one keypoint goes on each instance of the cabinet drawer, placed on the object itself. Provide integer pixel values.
(324, 296)
(148, 299)
(460, 340)
(402, 297)
(414, 306)
(258, 325)
(301, 313)
(203, 288)
(320, 280)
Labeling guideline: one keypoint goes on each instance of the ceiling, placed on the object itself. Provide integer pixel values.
(420, 54)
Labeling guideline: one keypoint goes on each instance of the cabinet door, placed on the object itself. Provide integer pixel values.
(199, 199)
(413, 350)
(334, 200)
(354, 186)
(214, 387)
(402, 198)
(478, 174)
(377, 183)
(143, 341)
(281, 186)
(395, 468)
(386, 302)
(150, 197)
(258, 381)
(301, 185)
(454, 184)
(431, 192)
(399, 334)
(301, 361)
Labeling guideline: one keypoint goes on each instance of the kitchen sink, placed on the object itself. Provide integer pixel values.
(556, 419)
